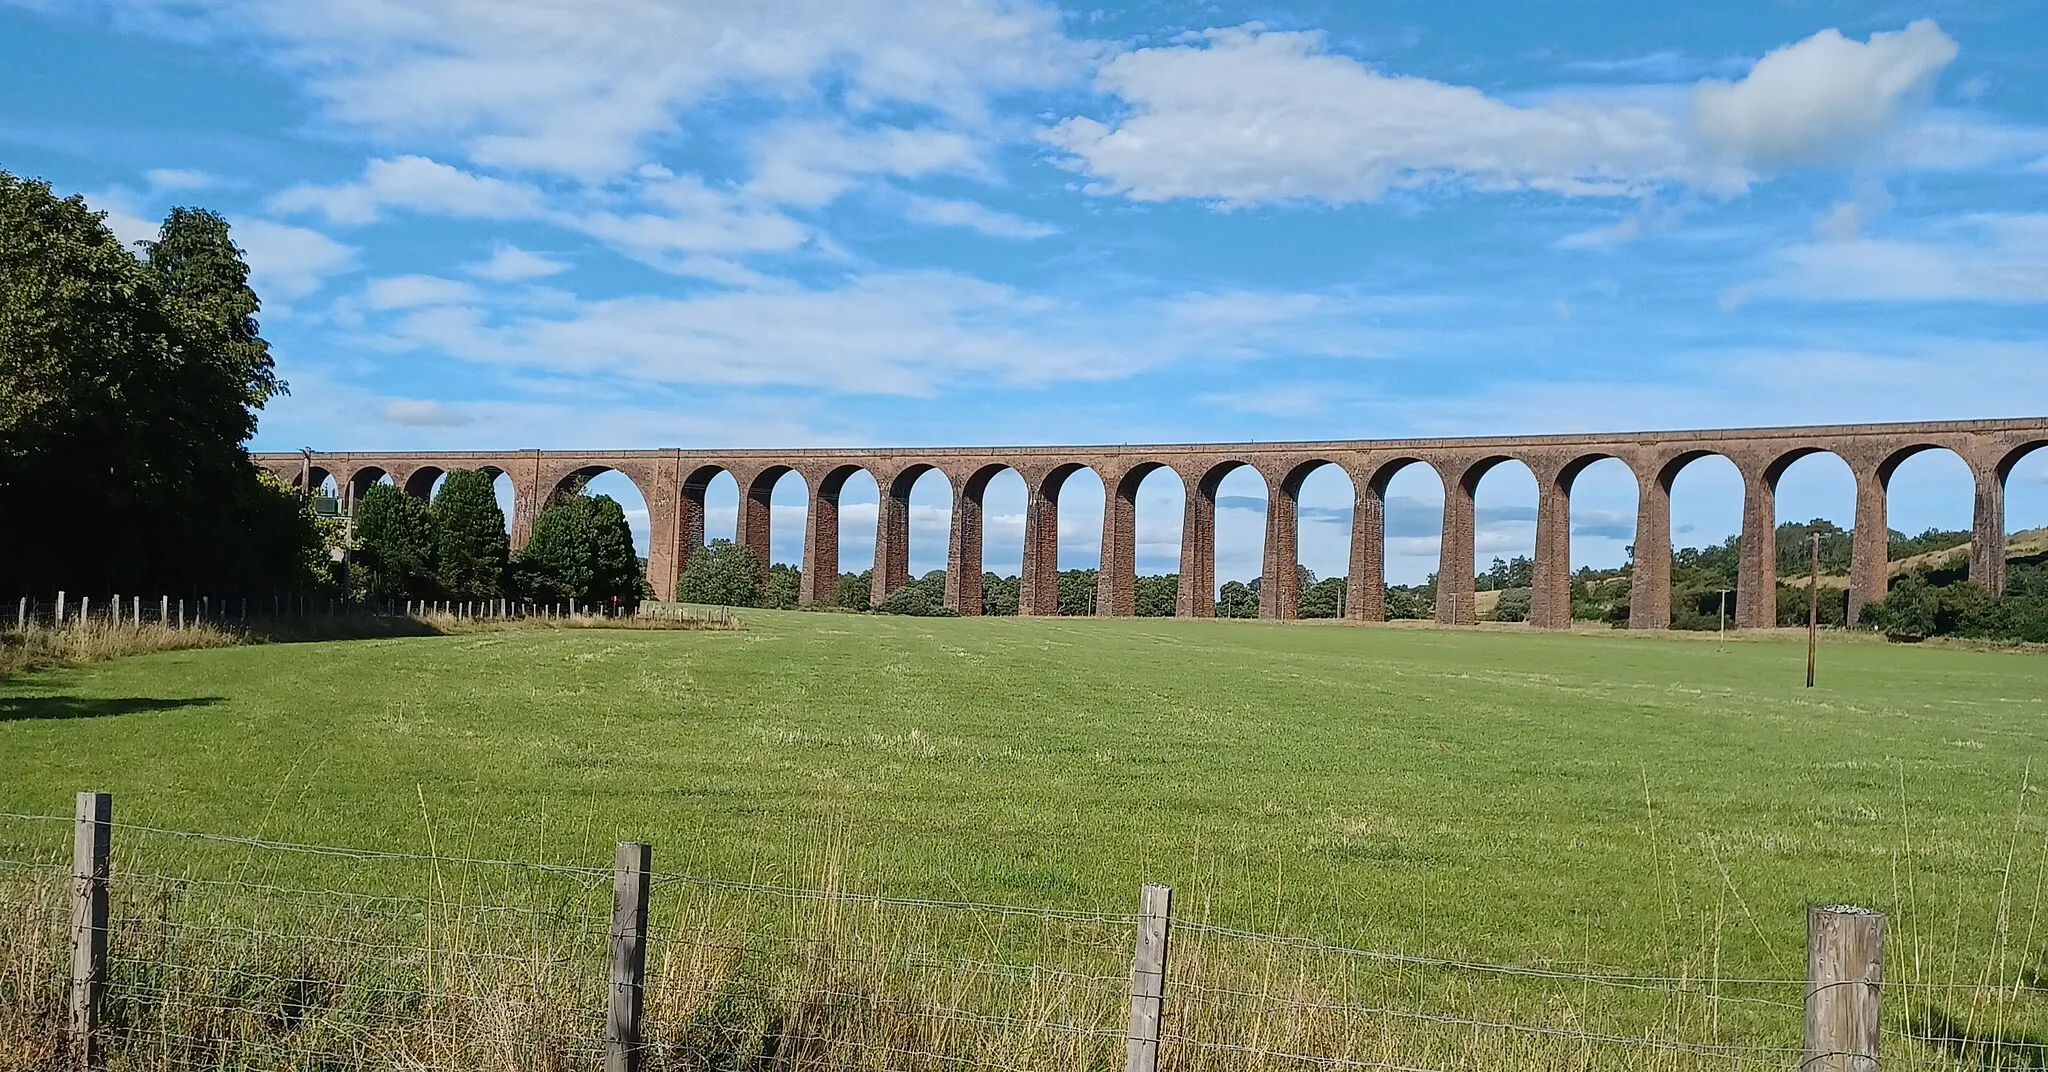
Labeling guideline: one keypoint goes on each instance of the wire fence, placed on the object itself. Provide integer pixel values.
(271, 955)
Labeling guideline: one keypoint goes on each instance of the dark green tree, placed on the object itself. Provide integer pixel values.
(722, 574)
(1237, 600)
(852, 590)
(126, 392)
(617, 576)
(394, 557)
(555, 566)
(1321, 599)
(785, 585)
(470, 545)
(1157, 596)
(999, 596)
(1077, 592)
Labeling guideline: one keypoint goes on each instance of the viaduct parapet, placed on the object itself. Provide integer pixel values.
(673, 483)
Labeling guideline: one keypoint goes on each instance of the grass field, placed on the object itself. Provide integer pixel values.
(1622, 802)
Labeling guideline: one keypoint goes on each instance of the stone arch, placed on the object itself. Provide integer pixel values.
(1038, 591)
(360, 482)
(893, 527)
(1650, 575)
(1870, 570)
(420, 482)
(1550, 599)
(310, 478)
(1280, 590)
(965, 547)
(1763, 560)
(822, 529)
(1373, 529)
(1457, 565)
(1198, 535)
(1116, 591)
(754, 528)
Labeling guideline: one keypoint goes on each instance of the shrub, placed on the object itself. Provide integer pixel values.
(721, 573)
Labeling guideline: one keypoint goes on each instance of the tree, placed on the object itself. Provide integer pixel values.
(616, 575)
(555, 566)
(1322, 599)
(1157, 597)
(785, 585)
(394, 555)
(1237, 600)
(470, 545)
(999, 596)
(723, 574)
(126, 392)
(1077, 593)
(852, 590)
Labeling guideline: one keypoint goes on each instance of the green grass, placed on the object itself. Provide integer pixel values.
(1617, 802)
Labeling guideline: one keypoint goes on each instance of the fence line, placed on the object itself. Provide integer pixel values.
(493, 962)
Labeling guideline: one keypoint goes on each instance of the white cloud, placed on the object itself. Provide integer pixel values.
(1987, 258)
(1247, 115)
(810, 164)
(286, 262)
(975, 217)
(1822, 99)
(165, 179)
(416, 291)
(419, 413)
(687, 216)
(510, 264)
(577, 86)
(416, 183)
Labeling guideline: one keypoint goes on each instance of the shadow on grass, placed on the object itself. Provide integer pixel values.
(23, 708)
(1993, 1049)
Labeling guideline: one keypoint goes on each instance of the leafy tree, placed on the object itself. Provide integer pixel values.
(1157, 597)
(1411, 601)
(785, 586)
(1513, 605)
(617, 576)
(924, 597)
(1077, 592)
(126, 392)
(394, 554)
(1237, 600)
(852, 590)
(1795, 552)
(1501, 576)
(555, 566)
(999, 595)
(470, 545)
(721, 573)
(1321, 599)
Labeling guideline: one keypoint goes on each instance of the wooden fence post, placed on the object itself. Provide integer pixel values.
(21, 615)
(1844, 969)
(90, 841)
(629, 956)
(60, 606)
(1148, 977)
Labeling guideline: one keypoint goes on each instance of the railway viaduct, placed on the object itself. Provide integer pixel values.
(673, 483)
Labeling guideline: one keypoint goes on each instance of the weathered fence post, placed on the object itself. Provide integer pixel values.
(85, 610)
(90, 840)
(1148, 977)
(163, 610)
(60, 606)
(21, 615)
(629, 956)
(1844, 969)
(181, 614)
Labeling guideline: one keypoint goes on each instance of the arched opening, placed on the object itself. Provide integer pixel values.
(859, 500)
(622, 490)
(2021, 565)
(1924, 505)
(1503, 563)
(1078, 501)
(508, 499)
(421, 482)
(774, 530)
(896, 526)
(1323, 500)
(361, 481)
(1236, 540)
(1156, 502)
(1705, 495)
(931, 523)
(1411, 497)
(1814, 494)
(2024, 473)
(991, 538)
(1588, 576)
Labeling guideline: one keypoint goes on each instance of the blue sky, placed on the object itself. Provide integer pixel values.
(633, 223)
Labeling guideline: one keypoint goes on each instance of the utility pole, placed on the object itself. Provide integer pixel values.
(1812, 608)
(1722, 637)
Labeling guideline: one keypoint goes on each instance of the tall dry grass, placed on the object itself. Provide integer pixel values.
(42, 646)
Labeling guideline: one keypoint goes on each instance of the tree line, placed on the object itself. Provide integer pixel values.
(130, 381)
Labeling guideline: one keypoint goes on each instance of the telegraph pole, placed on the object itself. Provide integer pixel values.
(1812, 608)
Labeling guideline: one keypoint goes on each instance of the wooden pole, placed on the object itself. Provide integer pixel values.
(629, 956)
(1844, 970)
(90, 841)
(21, 614)
(1812, 609)
(60, 606)
(1148, 977)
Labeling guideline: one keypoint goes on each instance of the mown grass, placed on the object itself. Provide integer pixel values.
(1664, 805)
